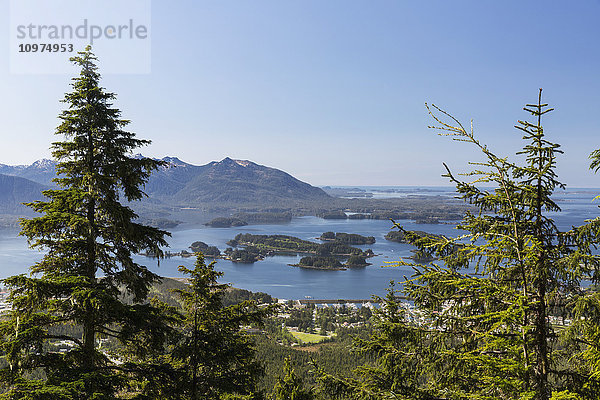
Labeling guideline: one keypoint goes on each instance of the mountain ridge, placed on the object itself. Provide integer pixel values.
(243, 181)
(229, 181)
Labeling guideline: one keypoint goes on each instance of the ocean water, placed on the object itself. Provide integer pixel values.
(274, 276)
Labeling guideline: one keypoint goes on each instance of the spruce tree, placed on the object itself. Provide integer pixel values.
(290, 386)
(74, 294)
(486, 321)
(213, 358)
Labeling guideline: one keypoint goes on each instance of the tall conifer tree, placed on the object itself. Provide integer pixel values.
(487, 324)
(213, 357)
(74, 293)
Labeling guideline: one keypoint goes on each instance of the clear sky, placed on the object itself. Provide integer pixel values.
(333, 91)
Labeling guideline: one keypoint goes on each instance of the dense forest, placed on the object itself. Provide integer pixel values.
(320, 262)
(509, 310)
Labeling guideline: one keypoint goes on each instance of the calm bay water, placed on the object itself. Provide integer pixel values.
(274, 276)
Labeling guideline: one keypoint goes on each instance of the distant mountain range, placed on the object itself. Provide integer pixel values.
(180, 192)
(225, 183)
(41, 171)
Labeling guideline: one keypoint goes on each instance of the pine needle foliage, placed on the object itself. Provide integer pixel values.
(73, 296)
(487, 320)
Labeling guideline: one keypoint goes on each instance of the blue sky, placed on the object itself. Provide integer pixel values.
(333, 92)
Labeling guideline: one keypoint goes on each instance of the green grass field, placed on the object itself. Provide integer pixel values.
(308, 337)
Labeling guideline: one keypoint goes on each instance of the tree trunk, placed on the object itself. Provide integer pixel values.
(89, 331)
(541, 344)
(89, 328)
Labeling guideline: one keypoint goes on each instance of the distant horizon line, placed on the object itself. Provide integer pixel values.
(332, 185)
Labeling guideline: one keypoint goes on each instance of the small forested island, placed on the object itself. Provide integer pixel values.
(246, 218)
(206, 250)
(331, 263)
(357, 261)
(319, 262)
(348, 238)
(226, 222)
(196, 247)
(247, 255)
(422, 257)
